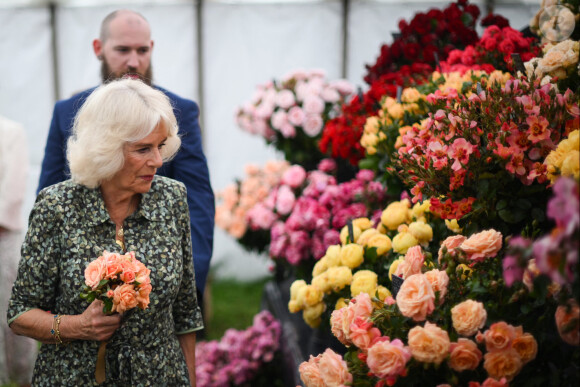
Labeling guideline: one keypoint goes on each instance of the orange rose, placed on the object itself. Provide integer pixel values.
(499, 336)
(439, 281)
(416, 298)
(333, 369)
(94, 273)
(143, 294)
(526, 346)
(502, 364)
(485, 244)
(468, 317)
(124, 298)
(568, 322)
(464, 355)
(310, 373)
(429, 344)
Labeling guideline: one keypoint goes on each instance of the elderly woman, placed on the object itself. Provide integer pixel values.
(114, 202)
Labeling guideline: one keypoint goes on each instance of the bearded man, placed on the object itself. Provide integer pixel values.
(124, 49)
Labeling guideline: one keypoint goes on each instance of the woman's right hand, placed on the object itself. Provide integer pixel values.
(95, 325)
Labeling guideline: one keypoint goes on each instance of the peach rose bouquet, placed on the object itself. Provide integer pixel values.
(119, 280)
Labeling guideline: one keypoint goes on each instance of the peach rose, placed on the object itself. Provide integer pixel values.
(491, 382)
(416, 298)
(499, 336)
(124, 298)
(143, 295)
(94, 273)
(568, 322)
(429, 344)
(388, 359)
(142, 272)
(468, 317)
(502, 364)
(336, 319)
(412, 263)
(526, 346)
(439, 281)
(310, 372)
(450, 244)
(129, 272)
(485, 244)
(333, 369)
(464, 355)
(363, 333)
(359, 306)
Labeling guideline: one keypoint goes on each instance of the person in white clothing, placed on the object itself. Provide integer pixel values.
(17, 354)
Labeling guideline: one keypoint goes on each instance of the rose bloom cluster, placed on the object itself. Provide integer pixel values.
(551, 8)
(119, 280)
(559, 61)
(565, 159)
(238, 357)
(321, 209)
(234, 201)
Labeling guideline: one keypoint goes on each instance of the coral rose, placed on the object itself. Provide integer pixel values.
(412, 263)
(429, 344)
(526, 346)
(464, 355)
(468, 317)
(143, 295)
(124, 298)
(336, 319)
(439, 281)
(415, 298)
(363, 281)
(95, 272)
(363, 333)
(310, 373)
(333, 369)
(502, 364)
(499, 336)
(568, 322)
(485, 244)
(450, 244)
(388, 359)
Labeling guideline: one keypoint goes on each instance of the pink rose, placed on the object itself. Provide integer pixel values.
(285, 200)
(312, 125)
(313, 105)
(330, 95)
(359, 306)
(416, 299)
(294, 176)
(450, 244)
(124, 298)
(464, 355)
(310, 372)
(279, 119)
(468, 317)
(296, 116)
(388, 359)
(288, 130)
(260, 217)
(95, 272)
(485, 244)
(412, 264)
(439, 281)
(429, 344)
(333, 369)
(285, 99)
(363, 332)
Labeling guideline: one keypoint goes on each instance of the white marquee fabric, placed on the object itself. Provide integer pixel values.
(243, 44)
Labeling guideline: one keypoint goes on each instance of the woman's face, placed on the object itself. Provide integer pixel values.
(142, 159)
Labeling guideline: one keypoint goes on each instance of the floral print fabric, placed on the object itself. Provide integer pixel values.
(68, 228)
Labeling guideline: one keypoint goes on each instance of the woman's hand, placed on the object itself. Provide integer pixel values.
(93, 324)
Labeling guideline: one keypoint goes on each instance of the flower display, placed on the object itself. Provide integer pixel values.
(558, 61)
(240, 356)
(119, 280)
(290, 113)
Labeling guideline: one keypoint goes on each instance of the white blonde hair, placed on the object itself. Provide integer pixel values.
(119, 112)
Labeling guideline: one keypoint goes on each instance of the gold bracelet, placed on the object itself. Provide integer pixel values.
(55, 331)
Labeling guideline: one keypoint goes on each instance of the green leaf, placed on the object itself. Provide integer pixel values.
(108, 305)
(103, 283)
(502, 204)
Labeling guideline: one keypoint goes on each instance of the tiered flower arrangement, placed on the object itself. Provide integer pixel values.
(473, 150)
(559, 62)
(408, 61)
(549, 24)
(290, 113)
(240, 357)
(237, 199)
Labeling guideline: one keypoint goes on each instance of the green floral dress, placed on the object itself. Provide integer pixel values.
(68, 228)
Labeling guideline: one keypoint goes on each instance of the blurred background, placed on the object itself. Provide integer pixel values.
(214, 52)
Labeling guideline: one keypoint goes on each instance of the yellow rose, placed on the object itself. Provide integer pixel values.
(321, 282)
(395, 214)
(419, 209)
(365, 235)
(344, 233)
(399, 142)
(362, 223)
(453, 225)
(383, 292)
(363, 281)
(382, 229)
(371, 125)
(421, 231)
(464, 270)
(394, 265)
(352, 255)
(338, 277)
(403, 241)
(311, 315)
(396, 111)
(320, 267)
(340, 303)
(410, 95)
(381, 242)
(295, 288)
(294, 306)
(333, 255)
(571, 164)
(388, 102)
(369, 140)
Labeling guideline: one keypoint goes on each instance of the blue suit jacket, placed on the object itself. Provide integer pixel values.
(189, 166)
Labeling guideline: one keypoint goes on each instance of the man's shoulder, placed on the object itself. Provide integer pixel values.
(74, 102)
(177, 100)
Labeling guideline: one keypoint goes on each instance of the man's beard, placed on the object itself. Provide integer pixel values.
(107, 75)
